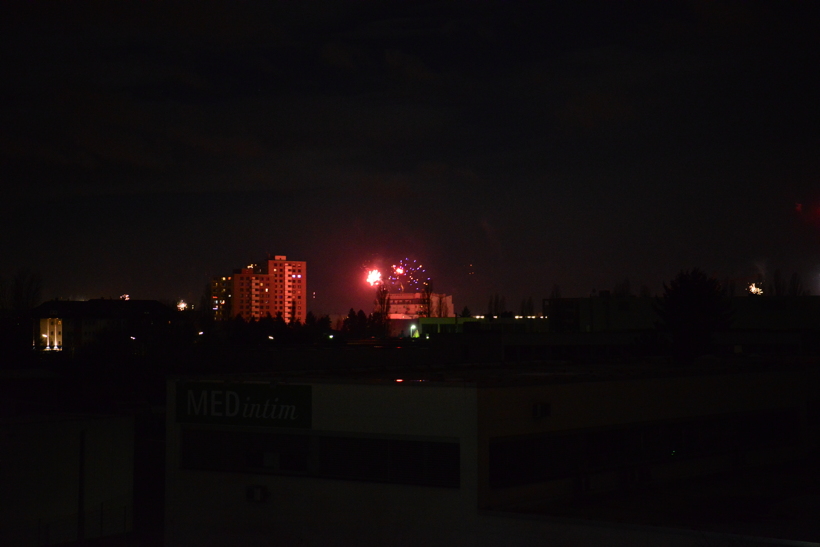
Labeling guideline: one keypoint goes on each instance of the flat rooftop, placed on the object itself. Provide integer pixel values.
(517, 373)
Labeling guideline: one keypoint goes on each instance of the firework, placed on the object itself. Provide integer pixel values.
(405, 276)
(374, 277)
(408, 276)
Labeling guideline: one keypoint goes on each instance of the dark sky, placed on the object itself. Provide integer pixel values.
(147, 147)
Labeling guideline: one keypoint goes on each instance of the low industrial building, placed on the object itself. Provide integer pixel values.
(440, 456)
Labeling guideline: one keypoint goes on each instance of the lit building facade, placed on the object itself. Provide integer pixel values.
(275, 286)
(407, 305)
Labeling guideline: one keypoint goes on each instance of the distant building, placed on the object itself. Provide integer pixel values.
(407, 308)
(405, 305)
(72, 324)
(221, 290)
(276, 286)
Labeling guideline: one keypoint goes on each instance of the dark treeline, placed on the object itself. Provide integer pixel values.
(267, 331)
(359, 325)
(18, 297)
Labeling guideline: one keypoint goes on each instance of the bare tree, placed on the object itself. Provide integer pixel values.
(497, 306)
(796, 286)
(778, 285)
(427, 299)
(381, 318)
(383, 300)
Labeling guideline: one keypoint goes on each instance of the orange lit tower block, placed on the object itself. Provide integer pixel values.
(275, 286)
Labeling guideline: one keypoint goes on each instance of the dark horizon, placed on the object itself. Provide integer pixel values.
(507, 146)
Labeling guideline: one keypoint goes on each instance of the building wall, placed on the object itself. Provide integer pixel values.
(50, 334)
(221, 295)
(219, 508)
(212, 508)
(619, 409)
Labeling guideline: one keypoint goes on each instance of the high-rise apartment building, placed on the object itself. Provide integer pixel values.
(277, 285)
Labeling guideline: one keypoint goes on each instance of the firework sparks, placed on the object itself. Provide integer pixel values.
(408, 276)
(404, 276)
(754, 289)
(374, 277)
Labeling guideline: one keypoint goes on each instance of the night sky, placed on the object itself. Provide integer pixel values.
(507, 146)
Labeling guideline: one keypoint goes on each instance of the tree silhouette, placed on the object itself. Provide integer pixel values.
(466, 312)
(729, 287)
(497, 306)
(527, 307)
(323, 324)
(310, 320)
(377, 325)
(796, 286)
(691, 310)
(778, 285)
(26, 292)
(427, 299)
(383, 300)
